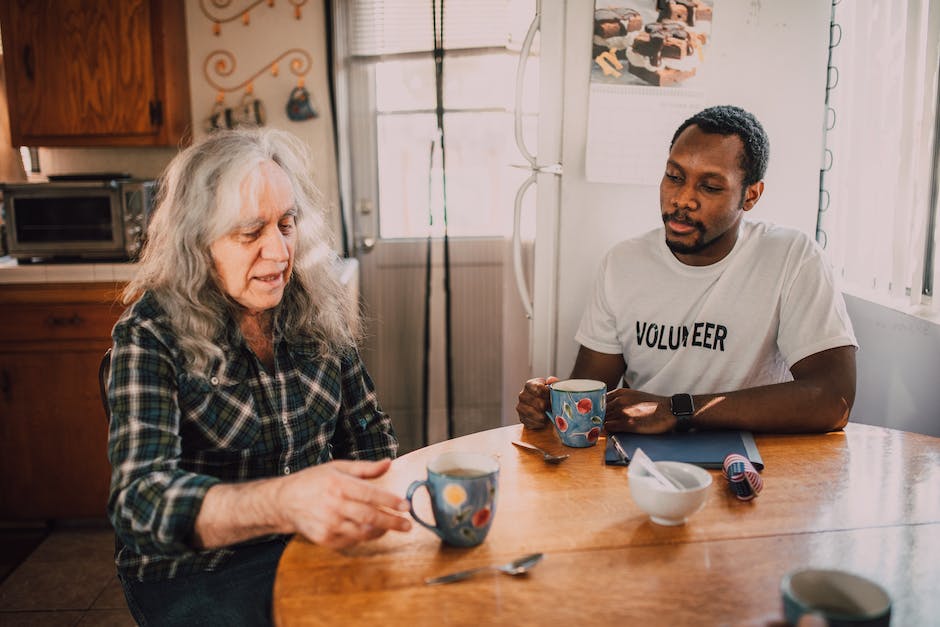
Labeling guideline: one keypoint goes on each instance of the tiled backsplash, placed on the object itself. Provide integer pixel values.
(12, 272)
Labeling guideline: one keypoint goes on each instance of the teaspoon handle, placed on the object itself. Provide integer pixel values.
(458, 576)
(531, 447)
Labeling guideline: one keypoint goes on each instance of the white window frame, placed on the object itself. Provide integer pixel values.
(357, 124)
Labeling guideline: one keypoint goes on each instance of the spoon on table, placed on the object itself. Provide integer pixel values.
(518, 566)
(548, 457)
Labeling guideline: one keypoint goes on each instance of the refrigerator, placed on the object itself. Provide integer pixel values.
(595, 186)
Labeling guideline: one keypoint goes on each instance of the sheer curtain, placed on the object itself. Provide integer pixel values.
(879, 166)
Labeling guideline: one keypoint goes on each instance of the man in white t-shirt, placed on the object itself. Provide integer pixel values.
(714, 322)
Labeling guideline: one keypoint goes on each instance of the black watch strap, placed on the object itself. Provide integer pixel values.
(682, 408)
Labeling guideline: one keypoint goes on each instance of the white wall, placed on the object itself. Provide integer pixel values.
(271, 32)
(898, 365)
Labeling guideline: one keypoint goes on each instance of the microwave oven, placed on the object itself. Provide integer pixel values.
(97, 219)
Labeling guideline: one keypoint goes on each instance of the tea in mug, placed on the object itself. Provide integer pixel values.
(464, 473)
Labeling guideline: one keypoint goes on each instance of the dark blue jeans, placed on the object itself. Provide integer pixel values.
(238, 594)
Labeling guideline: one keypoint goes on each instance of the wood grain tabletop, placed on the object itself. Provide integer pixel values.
(865, 500)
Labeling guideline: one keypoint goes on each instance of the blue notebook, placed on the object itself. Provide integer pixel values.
(702, 448)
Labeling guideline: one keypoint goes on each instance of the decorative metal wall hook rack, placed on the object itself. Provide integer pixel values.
(224, 6)
(222, 64)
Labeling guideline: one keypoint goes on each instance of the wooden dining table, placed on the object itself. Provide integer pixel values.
(865, 500)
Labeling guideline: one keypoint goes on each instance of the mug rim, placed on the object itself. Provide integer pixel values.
(828, 574)
(580, 386)
(486, 464)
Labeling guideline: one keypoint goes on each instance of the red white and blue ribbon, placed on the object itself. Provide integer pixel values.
(744, 480)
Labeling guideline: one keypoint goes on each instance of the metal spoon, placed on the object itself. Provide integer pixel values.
(548, 457)
(518, 566)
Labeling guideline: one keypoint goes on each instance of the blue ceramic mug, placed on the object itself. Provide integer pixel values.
(578, 410)
(842, 598)
(462, 487)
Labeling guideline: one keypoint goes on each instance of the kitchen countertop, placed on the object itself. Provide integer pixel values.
(13, 272)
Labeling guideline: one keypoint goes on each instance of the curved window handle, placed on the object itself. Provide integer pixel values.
(521, 285)
(520, 82)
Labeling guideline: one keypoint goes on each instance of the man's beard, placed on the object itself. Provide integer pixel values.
(686, 249)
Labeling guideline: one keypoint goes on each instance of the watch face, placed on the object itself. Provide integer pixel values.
(682, 404)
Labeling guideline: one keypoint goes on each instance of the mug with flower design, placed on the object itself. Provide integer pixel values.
(462, 487)
(578, 410)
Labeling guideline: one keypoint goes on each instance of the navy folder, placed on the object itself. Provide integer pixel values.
(702, 448)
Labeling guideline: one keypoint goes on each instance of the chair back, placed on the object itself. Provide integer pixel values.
(104, 371)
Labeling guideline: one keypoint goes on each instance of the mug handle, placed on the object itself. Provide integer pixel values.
(411, 490)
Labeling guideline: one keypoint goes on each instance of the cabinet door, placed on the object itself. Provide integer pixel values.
(54, 434)
(94, 72)
(53, 430)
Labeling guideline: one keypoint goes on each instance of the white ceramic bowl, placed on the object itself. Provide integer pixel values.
(664, 506)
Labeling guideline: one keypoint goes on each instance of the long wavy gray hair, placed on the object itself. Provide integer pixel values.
(199, 200)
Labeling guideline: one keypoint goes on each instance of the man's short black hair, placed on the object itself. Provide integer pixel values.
(731, 120)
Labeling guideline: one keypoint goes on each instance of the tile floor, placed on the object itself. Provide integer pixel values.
(16, 544)
(67, 580)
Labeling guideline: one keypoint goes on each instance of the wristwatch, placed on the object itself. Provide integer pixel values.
(682, 408)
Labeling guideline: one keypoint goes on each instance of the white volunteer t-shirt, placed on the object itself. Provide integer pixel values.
(739, 323)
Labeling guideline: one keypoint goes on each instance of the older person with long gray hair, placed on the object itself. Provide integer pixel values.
(240, 409)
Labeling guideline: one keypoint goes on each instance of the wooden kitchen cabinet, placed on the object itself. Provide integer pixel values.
(96, 72)
(53, 430)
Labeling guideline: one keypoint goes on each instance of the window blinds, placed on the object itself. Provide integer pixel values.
(875, 199)
(384, 27)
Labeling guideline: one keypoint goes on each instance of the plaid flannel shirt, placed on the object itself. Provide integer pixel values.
(173, 435)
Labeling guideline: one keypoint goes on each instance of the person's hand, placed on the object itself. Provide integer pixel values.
(332, 504)
(534, 400)
(806, 620)
(637, 412)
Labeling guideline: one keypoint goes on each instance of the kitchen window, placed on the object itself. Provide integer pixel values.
(389, 118)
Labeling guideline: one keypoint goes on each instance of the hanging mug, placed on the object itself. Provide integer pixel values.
(220, 118)
(250, 112)
(299, 107)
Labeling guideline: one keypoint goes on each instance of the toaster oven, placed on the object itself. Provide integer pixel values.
(77, 218)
